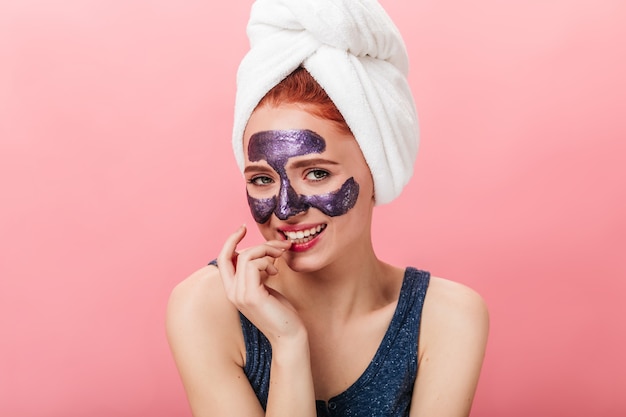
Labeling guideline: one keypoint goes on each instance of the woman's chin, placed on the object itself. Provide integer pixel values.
(302, 263)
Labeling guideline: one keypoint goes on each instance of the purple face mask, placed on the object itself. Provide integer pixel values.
(276, 147)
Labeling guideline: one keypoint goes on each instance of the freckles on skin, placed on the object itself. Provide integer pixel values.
(276, 147)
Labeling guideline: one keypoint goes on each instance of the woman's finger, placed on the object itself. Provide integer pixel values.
(265, 264)
(252, 262)
(228, 256)
(260, 251)
(271, 268)
(249, 285)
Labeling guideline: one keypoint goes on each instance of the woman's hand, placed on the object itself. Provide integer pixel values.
(244, 275)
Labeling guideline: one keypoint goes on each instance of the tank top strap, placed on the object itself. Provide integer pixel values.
(411, 300)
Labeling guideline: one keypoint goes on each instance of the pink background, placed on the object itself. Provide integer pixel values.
(117, 181)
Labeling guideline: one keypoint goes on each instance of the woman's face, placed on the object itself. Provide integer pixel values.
(307, 182)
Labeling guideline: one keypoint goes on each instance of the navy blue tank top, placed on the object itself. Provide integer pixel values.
(386, 386)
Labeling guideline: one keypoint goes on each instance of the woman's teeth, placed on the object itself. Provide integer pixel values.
(303, 236)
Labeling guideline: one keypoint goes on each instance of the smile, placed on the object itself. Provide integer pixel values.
(303, 236)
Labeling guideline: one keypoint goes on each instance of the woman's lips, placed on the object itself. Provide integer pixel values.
(303, 238)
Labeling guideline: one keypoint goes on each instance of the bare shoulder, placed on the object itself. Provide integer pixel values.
(196, 291)
(452, 342)
(450, 303)
(453, 314)
(197, 295)
(204, 333)
(199, 314)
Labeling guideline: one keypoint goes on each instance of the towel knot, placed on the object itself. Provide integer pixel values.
(359, 28)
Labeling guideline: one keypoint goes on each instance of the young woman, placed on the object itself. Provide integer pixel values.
(311, 322)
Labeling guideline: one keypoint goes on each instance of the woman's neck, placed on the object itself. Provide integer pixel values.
(349, 286)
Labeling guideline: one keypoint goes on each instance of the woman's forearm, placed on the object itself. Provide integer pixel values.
(291, 391)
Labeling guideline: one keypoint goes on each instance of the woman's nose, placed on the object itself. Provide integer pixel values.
(289, 203)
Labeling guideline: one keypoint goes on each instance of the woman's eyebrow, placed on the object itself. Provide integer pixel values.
(310, 162)
(256, 168)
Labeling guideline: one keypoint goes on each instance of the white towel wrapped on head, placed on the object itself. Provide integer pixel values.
(356, 54)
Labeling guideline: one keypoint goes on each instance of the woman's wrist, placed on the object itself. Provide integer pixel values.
(291, 348)
(291, 382)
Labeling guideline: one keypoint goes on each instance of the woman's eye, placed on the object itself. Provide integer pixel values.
(261, 180)
(316, 175)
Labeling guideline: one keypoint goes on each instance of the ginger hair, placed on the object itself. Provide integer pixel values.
(300, 87)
